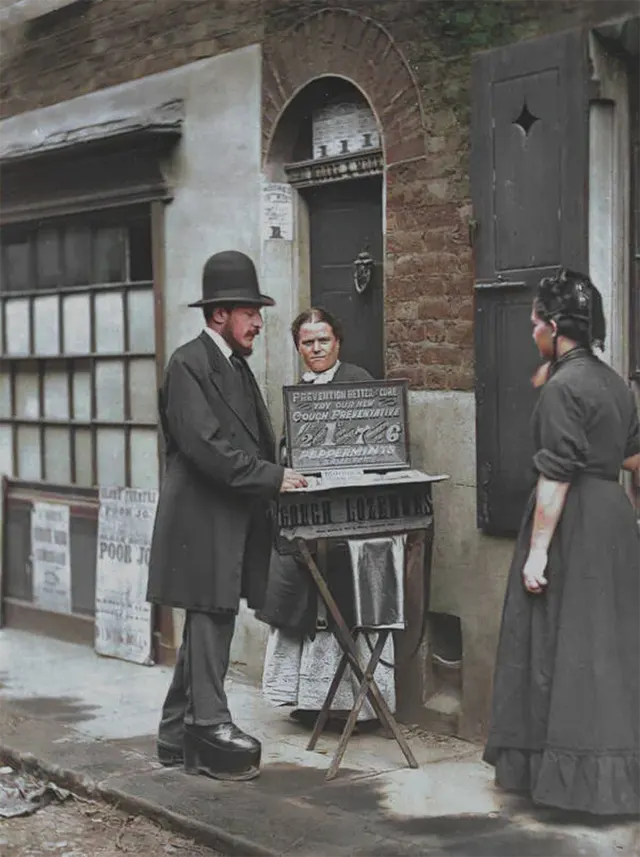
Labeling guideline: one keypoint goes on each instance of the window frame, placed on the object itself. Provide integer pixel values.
(125, 216)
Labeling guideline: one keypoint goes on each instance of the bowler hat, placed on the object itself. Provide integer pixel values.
(230, 279)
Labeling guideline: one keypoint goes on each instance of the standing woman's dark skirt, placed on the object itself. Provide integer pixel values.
(566, 714)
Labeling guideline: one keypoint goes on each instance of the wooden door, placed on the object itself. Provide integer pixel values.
(345, 220)
(529, 171)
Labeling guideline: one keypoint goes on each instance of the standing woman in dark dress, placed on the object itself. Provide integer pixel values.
(566, 713)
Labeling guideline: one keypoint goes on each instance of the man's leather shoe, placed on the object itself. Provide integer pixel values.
(170, 755)
(223, 752)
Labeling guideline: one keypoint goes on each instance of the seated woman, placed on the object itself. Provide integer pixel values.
(302, 653)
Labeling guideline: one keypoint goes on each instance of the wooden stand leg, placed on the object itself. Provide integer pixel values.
(365, 689)
(321, 721)
(349, 648)
(386, 731)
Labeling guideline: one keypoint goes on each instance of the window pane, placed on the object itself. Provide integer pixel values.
(109, 323)
(56, 455)
(140, 258)
(77, 255)
(77, 325)
(6, 450)
(29, 452)
(142, 384)
(82, 442)
(110, 457)
(5, 394)
(27, 393)
(141, 322)
(144, 458)
(110, 261)
(110, 390)
(17, 323)
(48, 261)
(56, 392)
(81, 392)
(16, 266)
(46, 325)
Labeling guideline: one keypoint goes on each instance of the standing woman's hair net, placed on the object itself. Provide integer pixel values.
(575, 304)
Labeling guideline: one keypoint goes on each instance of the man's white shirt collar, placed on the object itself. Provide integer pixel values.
(220, 341)
(321, 377)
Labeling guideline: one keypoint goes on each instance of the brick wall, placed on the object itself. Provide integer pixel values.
(410, 57)
(114, 41)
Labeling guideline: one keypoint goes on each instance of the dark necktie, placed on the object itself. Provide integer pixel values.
(242, 370)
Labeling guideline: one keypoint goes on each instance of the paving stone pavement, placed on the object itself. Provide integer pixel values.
(89, 723)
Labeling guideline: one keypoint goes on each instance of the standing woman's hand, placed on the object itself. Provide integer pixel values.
(541, 375)
(533, 571)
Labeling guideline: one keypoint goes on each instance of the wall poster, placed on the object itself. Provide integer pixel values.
(277, 211)
(51, 559)
(123, 616)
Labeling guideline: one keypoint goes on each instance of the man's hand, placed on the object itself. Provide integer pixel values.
(292, 480)
(533, 571)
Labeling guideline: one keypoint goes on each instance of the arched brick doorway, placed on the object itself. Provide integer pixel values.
(340, 44)
(346, 44)
(327, 147)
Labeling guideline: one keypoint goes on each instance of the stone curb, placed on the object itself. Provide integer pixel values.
(204, 834)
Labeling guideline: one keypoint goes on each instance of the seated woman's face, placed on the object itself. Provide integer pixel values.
(318, 346)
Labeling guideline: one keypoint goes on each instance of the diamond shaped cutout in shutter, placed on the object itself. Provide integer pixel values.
(526, 120)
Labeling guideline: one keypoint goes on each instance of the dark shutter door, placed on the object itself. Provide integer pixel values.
(529, 170)
(346, 219)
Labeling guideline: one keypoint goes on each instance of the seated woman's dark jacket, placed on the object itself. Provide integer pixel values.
(291, 601)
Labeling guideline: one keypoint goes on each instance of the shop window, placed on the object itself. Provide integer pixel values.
(77, 347)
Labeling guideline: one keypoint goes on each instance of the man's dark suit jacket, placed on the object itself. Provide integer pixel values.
(214, 524)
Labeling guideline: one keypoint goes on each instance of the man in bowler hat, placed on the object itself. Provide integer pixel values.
(214, 523)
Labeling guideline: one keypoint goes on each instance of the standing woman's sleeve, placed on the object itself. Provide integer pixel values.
(562, 452)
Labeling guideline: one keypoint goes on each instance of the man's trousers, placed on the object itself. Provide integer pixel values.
(196, 695)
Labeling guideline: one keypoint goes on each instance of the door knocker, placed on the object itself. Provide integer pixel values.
(362, 271)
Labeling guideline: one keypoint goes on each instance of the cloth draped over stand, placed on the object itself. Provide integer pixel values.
(299, 668)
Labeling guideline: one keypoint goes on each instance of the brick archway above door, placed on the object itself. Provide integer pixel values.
(344, 43)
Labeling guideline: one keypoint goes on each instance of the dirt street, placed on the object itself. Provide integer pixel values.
(79, 828)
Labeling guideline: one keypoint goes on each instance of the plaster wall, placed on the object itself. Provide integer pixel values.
(609, 190)
(469, 569)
